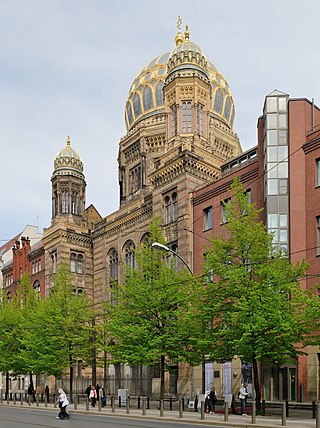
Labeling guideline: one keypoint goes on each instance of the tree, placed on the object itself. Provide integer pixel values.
(61, 329)
(154, 319)
(254, 305)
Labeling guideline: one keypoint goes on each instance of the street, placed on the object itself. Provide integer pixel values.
(33, 418)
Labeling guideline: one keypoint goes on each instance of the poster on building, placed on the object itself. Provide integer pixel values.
(246, 376)
(208, 376)
(226, 378)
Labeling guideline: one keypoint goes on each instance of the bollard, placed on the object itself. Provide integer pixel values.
(29, 400)
(313, 409)
(263, 408)
(161, 408)
(287, 408)
(113, 404)
(202, 410)
(87, 404)
(170, 403)
(143, 406)
(128, 405)
(99, 404)
(45, 401)
(138, 402)
(21, 399)
(37, 400)
(148, 402)
(183, 404)
(284, 414)
(14, 398)
(181, 408)
(226, 411)
(75, 404)
(1, 398)
(7, 398)
(317, 416)
(253, 412)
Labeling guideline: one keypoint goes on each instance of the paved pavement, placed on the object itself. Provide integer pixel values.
(217, 419)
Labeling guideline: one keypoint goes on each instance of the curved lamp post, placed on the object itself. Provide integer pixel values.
(164, 247)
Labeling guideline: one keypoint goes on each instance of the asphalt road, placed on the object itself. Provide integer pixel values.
(29, 418)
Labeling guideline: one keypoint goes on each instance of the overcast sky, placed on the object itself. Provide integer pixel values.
(66, 67)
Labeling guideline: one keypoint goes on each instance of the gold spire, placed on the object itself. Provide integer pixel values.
(179, 36)
(68, 141)
(187, 33)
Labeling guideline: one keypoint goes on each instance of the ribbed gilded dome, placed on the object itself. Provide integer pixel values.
(145, 97)
(68, 161)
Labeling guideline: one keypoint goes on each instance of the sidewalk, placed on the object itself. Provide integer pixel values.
(173, 415)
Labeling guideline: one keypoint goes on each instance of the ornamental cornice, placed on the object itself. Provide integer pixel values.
(155, 119)
(186, 163)
(121, 221)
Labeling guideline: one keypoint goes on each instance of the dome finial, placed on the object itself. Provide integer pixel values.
(179, 36)
(187, 33)
(68, 141)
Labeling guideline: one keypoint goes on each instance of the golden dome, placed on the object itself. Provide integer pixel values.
(68, 161)
(145, 96)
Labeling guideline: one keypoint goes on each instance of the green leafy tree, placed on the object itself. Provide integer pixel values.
(254, 305)
(61, 329)
(154, 319)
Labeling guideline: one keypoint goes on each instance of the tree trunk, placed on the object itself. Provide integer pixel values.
(256, 383)
(162, 377)
(71, 378)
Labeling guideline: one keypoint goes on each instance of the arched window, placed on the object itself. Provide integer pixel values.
(130, 255)
(137, 105)
(147, 99)
(32, 268)
(113, 266)
(199, 111)
(186, 117)
(73, 262)
(64, 203)
(80, 267)
(218, 102)
(159, 95)
(174, 248)
(174, 120)
(174, 206)
(129, 112)
(167, 203)
(39, 265)
(36, 287)
(74, 203)
(227, 108)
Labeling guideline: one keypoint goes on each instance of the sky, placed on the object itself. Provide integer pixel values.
(66, 67)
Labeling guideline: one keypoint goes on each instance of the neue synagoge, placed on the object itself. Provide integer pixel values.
(176, 160)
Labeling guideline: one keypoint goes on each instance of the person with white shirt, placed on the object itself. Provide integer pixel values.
(243, 394)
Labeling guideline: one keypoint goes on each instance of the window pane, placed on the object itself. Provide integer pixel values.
(282, 153)
(272, 187)
(283, 170)
(272, 154)
(283, 220)
(272, 221)
(283, 235)
(272, 138)
(271, 104)
(282, 120)
(282, 104)
(272, 121)
(272, 170)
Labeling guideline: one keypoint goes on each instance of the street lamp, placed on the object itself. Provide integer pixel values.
(164, 247)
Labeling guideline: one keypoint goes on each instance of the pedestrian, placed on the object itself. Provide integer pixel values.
(87, 391)
(98, 389)
(46, 391)
(212, 400)
(93, 396)
(103, 397)
(31, 393)
(243, 394)
(63, 402)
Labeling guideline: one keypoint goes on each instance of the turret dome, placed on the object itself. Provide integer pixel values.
(68, 162)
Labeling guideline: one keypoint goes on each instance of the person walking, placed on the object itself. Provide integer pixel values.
(103, 397)
(46, 391)
(243, 394)
(63, 402)
(212, 400)
(93, 396)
